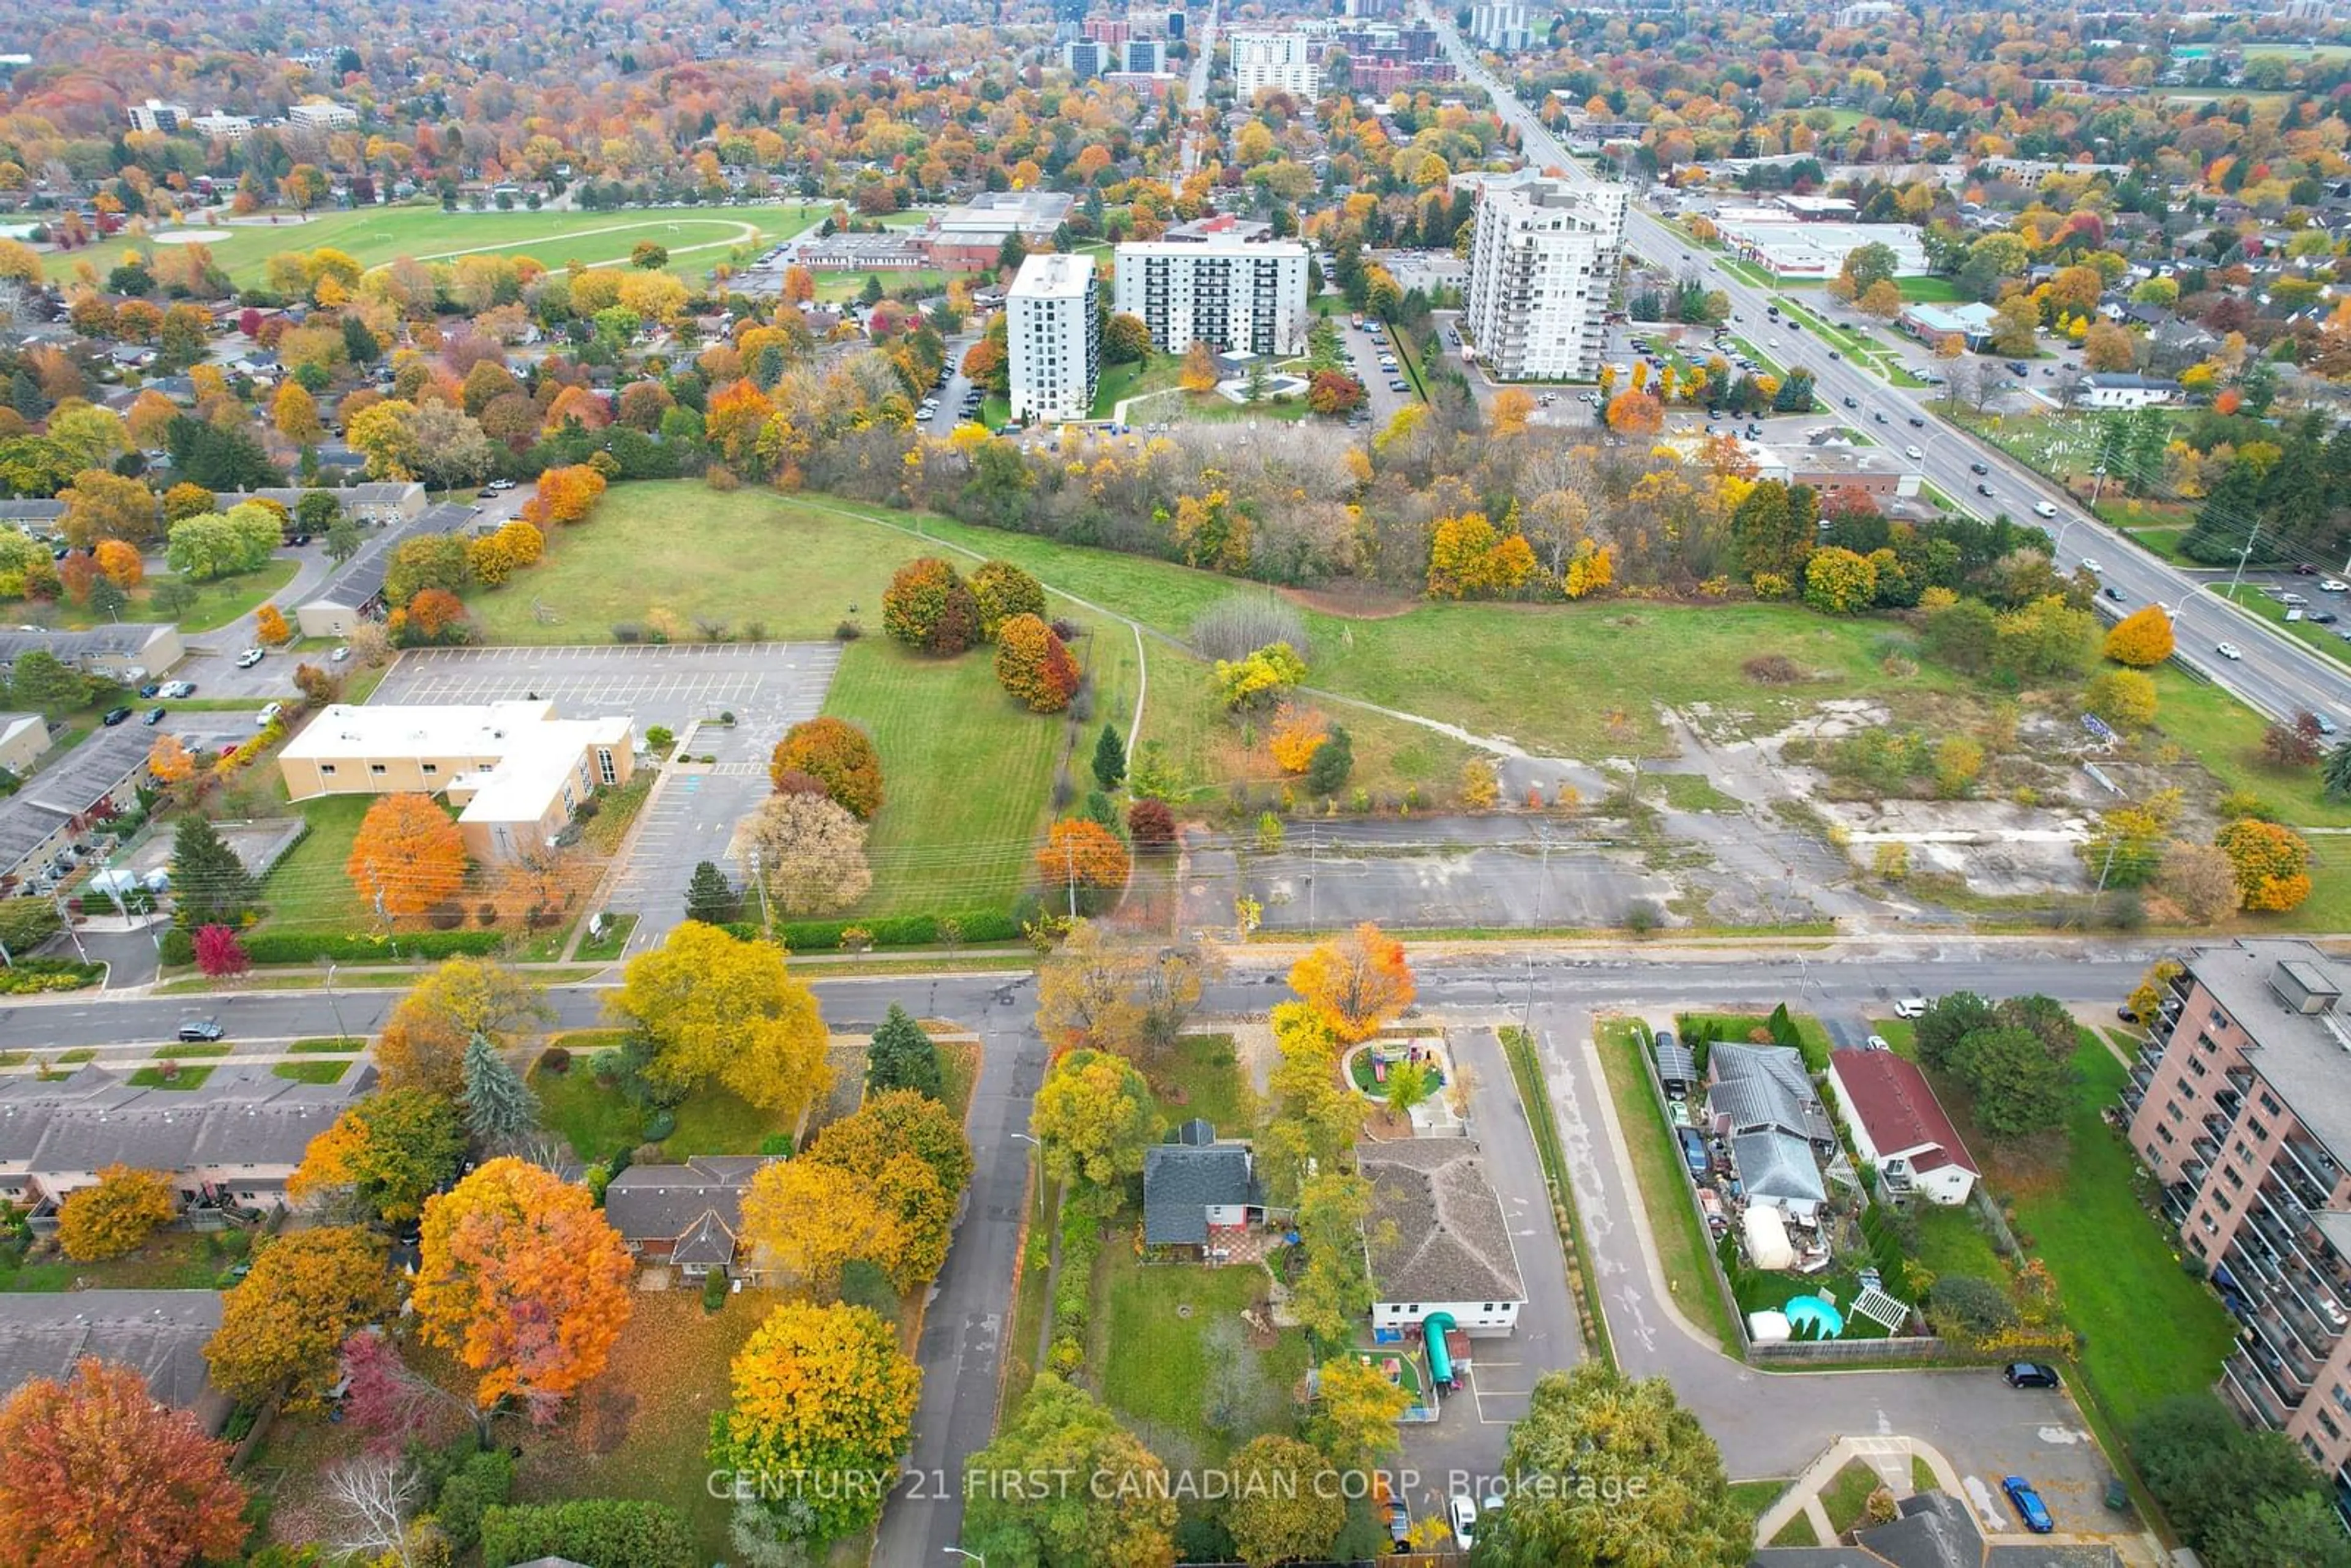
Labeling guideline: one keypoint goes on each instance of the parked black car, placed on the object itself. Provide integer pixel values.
(115, 716)
(2029, 1374)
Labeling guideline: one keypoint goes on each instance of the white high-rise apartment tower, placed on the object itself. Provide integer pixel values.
(1542, 262)
(1236, 295)
(1284, 60)
(1053, 338)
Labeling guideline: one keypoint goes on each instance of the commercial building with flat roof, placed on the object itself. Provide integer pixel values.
(517, 770)
(1543, 260)
(1053, 338)
(2239, 1102)
(1778, 241)
(1972, 324)
(1237, 296)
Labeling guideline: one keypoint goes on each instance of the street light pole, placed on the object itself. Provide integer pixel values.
(1038, 1169)
(335, 1002)
(959, 1552)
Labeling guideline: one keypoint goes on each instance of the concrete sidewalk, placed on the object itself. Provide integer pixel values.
(1889, 1457)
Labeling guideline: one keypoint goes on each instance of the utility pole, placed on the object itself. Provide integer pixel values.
(335, 1002)
(66, 916)
(1309, 879)
(390, 940)
(1542, 881)
(760, 885)
(1069, 860)
(2243, 556)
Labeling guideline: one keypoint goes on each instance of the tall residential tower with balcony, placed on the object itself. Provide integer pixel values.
(1246, 297)
(1542, 263)
(2240, 1104)
(1053, 338)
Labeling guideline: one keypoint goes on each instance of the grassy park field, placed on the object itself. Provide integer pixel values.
(696, 237)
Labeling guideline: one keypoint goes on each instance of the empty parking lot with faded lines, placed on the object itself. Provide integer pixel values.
(767, 686)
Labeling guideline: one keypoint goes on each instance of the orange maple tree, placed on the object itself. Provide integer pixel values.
(569, 493)
(169, 760)
(102, 1475)
(1083, 850)
(270, 625)
(1356, 983)
(1298, 734)
(525, 1280)
(408, 855)
(120, 560)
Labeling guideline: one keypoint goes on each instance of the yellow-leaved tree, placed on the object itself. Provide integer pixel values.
(821, 1390)
(116, 1216)
(715, 1007)
(2141, 639)
(1356, 983)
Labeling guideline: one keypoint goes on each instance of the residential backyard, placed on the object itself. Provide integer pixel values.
(598, 1119)
(2149, 1328)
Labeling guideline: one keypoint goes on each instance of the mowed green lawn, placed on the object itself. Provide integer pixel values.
(218, 602)
(310, 890)
(745, 557)
(967, 774)
(697, 237)
(2149, 1330)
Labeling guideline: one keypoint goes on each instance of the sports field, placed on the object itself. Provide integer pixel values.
(696, 238)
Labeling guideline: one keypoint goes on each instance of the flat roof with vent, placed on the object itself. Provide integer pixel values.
(2304, 1057)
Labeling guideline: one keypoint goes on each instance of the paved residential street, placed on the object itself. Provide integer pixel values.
(1768, 1423)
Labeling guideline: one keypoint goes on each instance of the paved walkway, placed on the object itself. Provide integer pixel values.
(1889, 1457)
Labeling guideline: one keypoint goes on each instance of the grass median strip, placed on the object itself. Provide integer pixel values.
(1680, 1235)
(1526, 1070)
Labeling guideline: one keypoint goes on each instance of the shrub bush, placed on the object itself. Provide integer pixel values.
(303, 947)
(179, 948)
(714, 1291)
(32, 975)
(613, 1530)
(555, 1059)
(659, 1125)
(895, 931)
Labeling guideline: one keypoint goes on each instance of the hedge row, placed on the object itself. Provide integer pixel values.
(610, 1533)
(301, 946)
(814, 936)
(48, 975)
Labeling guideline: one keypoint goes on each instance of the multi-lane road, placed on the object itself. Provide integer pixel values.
(2275, 673)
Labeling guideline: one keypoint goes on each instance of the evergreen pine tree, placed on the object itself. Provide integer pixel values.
(902, 1057)
(24, 397)
(500, 1109)
(1334, 760)
(212, 885)
(1110, 758)
(710, 897)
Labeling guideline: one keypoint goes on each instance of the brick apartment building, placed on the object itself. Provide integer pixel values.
(2240, 1104)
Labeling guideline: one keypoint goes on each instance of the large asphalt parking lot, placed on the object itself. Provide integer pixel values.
(767, 686)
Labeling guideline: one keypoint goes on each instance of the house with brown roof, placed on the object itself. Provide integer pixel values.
(1439, 1243)
(688, 1216)
(1899, 1127)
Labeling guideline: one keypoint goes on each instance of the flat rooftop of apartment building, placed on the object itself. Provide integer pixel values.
(2306, 1057)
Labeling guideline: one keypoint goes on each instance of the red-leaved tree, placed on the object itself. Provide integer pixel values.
(99, 1475)
(219, 953)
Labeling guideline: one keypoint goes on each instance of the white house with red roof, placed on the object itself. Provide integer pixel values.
(1899, 1127)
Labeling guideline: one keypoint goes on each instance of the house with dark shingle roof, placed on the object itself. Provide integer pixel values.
(1934, 1530)
(1437, 1239)
(235, 1139)
(688, 1216)
(159, 1335)
(1197, 1191)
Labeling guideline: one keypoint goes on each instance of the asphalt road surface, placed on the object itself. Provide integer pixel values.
(1768, 1423)
(2276, 674)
